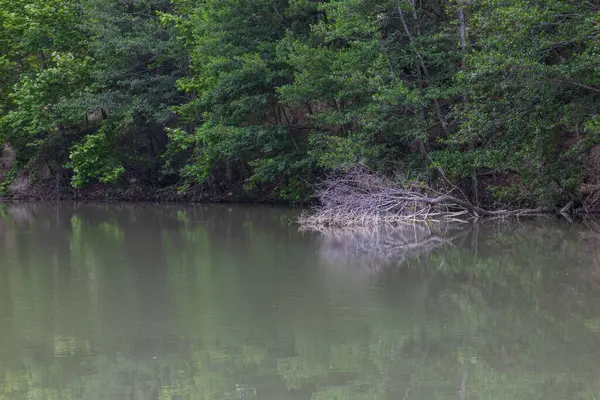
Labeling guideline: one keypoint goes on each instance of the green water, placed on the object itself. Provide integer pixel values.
(176, 302)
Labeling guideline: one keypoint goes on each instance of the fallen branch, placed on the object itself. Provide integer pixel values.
(363, 198)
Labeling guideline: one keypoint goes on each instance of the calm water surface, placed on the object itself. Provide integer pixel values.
(176, 302)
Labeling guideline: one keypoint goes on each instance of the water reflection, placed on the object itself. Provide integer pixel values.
(378, 247)
(174, 302)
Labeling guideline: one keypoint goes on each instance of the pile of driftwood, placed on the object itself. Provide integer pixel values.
(363, 198)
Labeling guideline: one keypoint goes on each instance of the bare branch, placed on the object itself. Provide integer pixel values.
(362, 198)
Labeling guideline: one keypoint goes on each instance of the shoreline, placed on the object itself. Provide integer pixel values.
(135, 193)
(358, 199)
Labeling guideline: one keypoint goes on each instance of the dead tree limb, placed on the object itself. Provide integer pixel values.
(363, 198)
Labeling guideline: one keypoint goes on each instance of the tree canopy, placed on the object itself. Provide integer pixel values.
(260, 99)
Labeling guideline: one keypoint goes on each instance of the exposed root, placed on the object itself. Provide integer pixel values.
(363, 198)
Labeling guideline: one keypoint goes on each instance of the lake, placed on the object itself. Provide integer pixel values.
(234, 302)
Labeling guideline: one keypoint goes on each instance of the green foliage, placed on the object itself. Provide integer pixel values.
(463, 164)
(95, 158)
(41, 63)
(80, 69)
(530, 83)
(265, 97)
(337, 152)
(237, 131)
(8, 180)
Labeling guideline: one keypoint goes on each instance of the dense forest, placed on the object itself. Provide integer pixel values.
(260, 99)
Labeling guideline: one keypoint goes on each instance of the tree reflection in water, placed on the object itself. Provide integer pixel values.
(172, 302)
